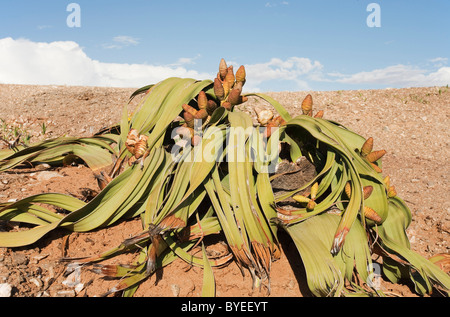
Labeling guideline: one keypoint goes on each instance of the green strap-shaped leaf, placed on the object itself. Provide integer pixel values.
(313, 239)
(209, 284)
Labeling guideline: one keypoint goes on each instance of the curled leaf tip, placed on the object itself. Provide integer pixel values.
(338, 241)
(102, 180)
(105, 270)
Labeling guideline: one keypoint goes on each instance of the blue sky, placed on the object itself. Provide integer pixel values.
(285, 45)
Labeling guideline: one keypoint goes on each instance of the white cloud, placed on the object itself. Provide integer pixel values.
(271, 4)
(397, 76)
(298, 70)
(186, 60)
(65, 63)
(439, 61)
(122, 41)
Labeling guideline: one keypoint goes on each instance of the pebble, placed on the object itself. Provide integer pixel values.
(36, 282)
(175, 290)
(42, 167)
(70, 293)
(5, 290)
(78, 288)
(431, 184)
(19, 259)
(73, 279)
(38, 258)
(44, 176)
(43, 294)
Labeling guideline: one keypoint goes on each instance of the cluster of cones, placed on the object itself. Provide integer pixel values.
(228, 93)
(266, 118)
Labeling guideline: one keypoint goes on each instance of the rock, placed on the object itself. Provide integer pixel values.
(73, 279)
(38, 258)
(42, 167)
(78, 288)
(45, 176)
(36, 282)
(5, 290)
(18, 259)
(70, 293)
(42, 294)
(175, 289)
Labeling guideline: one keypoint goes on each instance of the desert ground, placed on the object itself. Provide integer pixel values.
(411, 124)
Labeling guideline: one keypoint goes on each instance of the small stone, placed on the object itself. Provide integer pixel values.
(175, 290)
(18, 259)
(45, 176)
(5, 290)
(431, 184)
(70, 293)
(42, 167)
(290, 284)
(79, 287)
(39, 257)
(36, 282)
